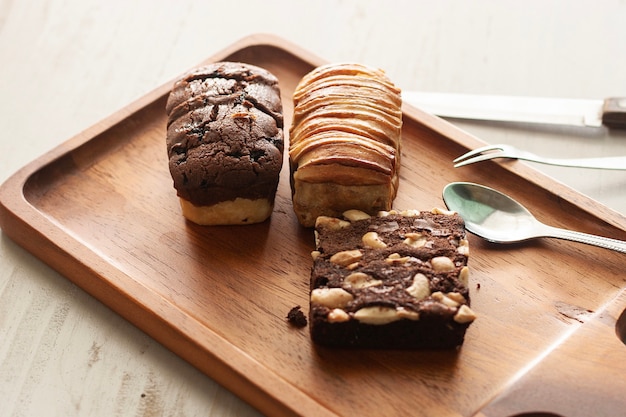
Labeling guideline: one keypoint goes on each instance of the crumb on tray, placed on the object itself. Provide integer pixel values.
(296, 317)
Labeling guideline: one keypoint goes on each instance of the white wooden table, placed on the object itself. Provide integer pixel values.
(64, 65)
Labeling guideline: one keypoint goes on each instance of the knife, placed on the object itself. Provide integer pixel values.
(610, 112)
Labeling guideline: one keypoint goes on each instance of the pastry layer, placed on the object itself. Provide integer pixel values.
(344, 141)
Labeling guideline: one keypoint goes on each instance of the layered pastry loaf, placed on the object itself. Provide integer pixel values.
(344, 149)
(225, 143)
(394, 280)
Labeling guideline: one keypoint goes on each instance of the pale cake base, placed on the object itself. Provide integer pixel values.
(238, 211)
(311, 200)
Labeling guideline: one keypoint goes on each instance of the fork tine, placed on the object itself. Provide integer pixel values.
(478, 158)
(478, 151)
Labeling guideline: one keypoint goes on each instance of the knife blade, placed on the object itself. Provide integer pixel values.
(610, 112)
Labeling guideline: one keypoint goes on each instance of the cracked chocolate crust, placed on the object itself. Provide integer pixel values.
(225, 134)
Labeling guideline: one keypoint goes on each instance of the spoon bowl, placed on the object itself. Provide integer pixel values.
(498, 218)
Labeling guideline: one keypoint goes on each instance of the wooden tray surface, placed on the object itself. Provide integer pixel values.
(101, 210)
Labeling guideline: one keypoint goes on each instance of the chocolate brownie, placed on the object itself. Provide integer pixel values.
(395, 280)
(225, 135)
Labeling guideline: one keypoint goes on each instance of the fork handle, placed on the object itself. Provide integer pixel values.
(600, 241)
(611, 162)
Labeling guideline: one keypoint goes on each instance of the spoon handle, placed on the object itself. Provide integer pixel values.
(603, 242)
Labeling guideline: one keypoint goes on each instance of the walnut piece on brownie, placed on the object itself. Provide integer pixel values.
(395, 280)
(225, 143)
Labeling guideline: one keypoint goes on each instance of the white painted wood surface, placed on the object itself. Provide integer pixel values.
(66, 64)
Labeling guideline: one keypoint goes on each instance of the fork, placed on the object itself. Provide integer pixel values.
(507, 151)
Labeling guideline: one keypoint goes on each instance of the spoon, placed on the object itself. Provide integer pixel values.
(500, 219)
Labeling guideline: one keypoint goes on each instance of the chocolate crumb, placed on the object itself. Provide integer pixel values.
(296, 317)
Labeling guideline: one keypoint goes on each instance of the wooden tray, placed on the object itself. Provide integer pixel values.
(101, 210)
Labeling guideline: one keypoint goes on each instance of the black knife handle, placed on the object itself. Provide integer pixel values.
(614, 112)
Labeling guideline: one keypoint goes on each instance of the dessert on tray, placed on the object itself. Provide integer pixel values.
(344, 148)
(225, 143)
(393, 280)
(381, 278)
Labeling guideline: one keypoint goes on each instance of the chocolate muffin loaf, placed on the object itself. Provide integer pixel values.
(395, 280)
(344, 148)
(225, 143)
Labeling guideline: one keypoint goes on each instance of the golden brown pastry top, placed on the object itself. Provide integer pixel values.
(347, 115)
